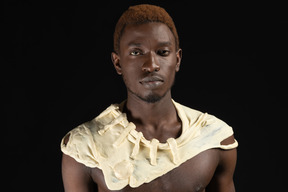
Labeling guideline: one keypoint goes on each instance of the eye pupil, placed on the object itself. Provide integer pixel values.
(135, 53)
(163, 52)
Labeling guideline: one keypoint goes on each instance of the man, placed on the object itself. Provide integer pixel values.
(149, 142)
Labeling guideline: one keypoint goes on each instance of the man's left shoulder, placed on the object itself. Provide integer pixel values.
(210, 127)
(194, 114)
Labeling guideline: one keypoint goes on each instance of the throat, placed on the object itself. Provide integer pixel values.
(159, 120)
(161, 129)
(161, 134)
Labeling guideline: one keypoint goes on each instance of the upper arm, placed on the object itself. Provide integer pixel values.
(76, 176)
(222, 180)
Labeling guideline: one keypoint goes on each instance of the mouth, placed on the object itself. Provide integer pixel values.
(151, 82)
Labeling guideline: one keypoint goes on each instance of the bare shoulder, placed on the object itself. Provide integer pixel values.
(228, 157)
(76, 176)
(223, 176)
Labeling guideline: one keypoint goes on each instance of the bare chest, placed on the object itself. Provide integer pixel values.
(193, 175)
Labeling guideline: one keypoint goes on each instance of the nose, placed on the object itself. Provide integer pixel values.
(151, 64)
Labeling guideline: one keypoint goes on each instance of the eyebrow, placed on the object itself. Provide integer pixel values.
(161, 44)
(166, 43)
(134, 44)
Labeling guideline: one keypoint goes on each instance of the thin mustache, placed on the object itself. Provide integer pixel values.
(151, 78)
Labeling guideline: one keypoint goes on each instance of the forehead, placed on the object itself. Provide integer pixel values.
(153, 32)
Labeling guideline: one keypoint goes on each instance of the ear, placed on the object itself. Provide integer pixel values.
(178, 59)
(116, 62)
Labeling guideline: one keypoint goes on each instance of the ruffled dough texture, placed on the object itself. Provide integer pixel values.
(112, 144)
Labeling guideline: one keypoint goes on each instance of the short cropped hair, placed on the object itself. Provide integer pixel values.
(140, 14)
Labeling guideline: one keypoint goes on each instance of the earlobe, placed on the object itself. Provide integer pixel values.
(116, 62)
(178, 61)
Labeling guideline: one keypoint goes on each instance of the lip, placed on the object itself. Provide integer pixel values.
(151, 82)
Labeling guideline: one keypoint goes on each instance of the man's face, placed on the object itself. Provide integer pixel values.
(147, 60)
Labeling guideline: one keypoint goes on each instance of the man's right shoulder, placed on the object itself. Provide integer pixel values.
(81, 142)
(77, 144)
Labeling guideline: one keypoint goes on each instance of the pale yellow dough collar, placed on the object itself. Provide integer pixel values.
(112, 144)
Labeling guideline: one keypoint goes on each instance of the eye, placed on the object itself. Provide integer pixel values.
(163, 52)
(135, 52)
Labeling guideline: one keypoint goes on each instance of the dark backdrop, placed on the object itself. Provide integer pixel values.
(58, 74)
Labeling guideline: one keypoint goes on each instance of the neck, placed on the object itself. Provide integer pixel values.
(150, 114)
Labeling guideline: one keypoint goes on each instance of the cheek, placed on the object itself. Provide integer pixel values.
(130, 76)
(130, 73)
(169, 67)
(169, 62)
(170, 72)
(132, 69)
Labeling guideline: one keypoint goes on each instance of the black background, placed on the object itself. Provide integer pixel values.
(57, 74)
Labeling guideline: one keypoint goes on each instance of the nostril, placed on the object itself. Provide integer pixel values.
(151, 69)
(151, 64)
